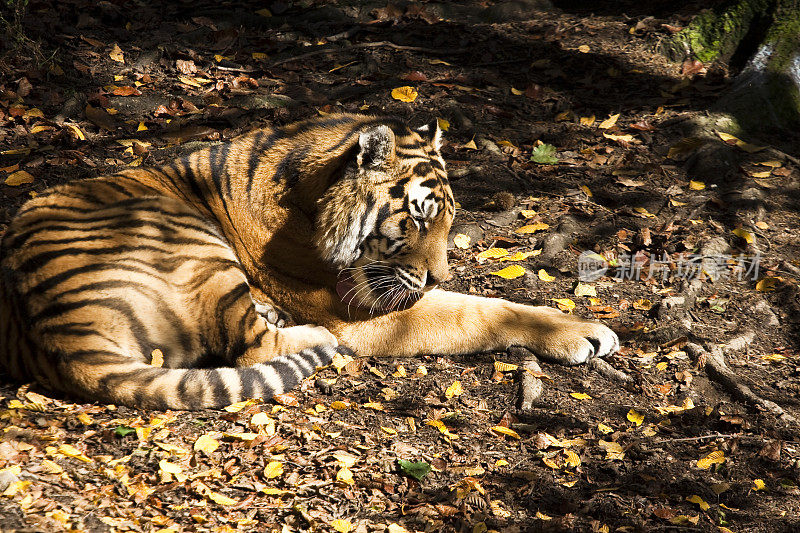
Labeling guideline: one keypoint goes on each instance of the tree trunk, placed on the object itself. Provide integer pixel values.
(761, 38)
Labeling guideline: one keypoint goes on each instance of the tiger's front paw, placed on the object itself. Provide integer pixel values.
(297, 338)
(572, 341)
(273, 314)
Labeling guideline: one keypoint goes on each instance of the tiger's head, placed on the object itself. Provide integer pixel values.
(384, 224)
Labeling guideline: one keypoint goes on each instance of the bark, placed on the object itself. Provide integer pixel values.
(762, 37)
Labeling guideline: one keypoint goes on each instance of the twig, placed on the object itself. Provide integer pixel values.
(703, 437)
(376, 44)
(236, 69)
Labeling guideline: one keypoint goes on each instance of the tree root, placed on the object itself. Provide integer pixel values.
(713, 363)
(602, 367)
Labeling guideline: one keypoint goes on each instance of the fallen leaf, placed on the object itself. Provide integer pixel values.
(344, 475)
(580, 395)
(206, 443)
(715, 457)
(491, 253)
(157, 358)
(584, 49)
(273, 469)
(587, 190)
(532, 228)
(19, 177)
(696, 185)
(544, 154)
(342, 526)
(416, 469)
(471, 145)
(609, 122)
(461, 241)
(116, 54)
(565, 304)
(744, 234)
(624, 138)
(520, 256)
(694, 498)
(510, 272)
(758, 484)
(635, 416)
(405, 94)
(506, 431)
(544, 276)
(454, 390)
(584, 289)
(767, 284)
(444, 124)
(643, 305)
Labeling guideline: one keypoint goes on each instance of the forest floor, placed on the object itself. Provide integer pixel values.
(564, 122)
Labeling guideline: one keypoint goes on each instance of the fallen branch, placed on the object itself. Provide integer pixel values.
(715, 367)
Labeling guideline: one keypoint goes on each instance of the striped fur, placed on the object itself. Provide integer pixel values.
(97, 274)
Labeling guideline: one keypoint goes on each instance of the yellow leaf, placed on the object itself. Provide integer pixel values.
(340, 361)
(342, 526)
(261, 419)
(76, 132)
(339, 405)
(377, 406)
(587, 190)
(542, 516)
(715, 457)
(517, 92)
(532, 228)
(51, 467)
(694, 498)
(72, 451)
(643, 305)
(544, 276)
(609, 122)
(510, 272)
(773, 358)
(220, 499)
(238, 406)
(471, 145)
(169, 468)
(587, 121)
(614, 451)
(345, 459)
(565, 304)
(744, 234)
(461, 241)
(500, 366)
(625, 138)
(266, 13)
(396, 528)
(767, 284)
(454, 390)
(141, 127)
(259, 56)
(758, 484)
(528, 213)
(157, 358)
(246, 436)
(635, 416)
(206, 444)
(584, 49)
(421, 370)
(675, 203)
(662, 366)
(763, 174)
(19, 177)
(762, 225)
(273, 469)
(572, 458)
(604, 428)
(772, 164)
(696, 185)
(401, 372)
(644, 212)
(405, 94)
(580, 395)
(345, 476)
(444, 124)
(501, 462)
(116, 54)
(444, 430)
(491, 253)
(506, 431)
(389, 431)
(747, 147)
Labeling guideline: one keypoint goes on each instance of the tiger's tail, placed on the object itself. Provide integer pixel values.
(113, 378)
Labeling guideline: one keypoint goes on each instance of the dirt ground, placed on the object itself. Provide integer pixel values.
(690, 427)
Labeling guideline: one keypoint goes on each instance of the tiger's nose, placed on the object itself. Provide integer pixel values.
(434, 280)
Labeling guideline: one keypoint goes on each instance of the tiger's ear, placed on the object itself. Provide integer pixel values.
(431, 133)
(376, 147)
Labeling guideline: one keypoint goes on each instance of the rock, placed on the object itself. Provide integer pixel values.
(6, 480)
(471, 230)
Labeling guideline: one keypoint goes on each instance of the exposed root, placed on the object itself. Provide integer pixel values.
(602, 367)
(715, 367)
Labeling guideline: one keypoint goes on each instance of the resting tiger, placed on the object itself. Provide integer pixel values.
(340, 221)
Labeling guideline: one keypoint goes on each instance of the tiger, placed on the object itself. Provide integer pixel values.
(340, 223)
